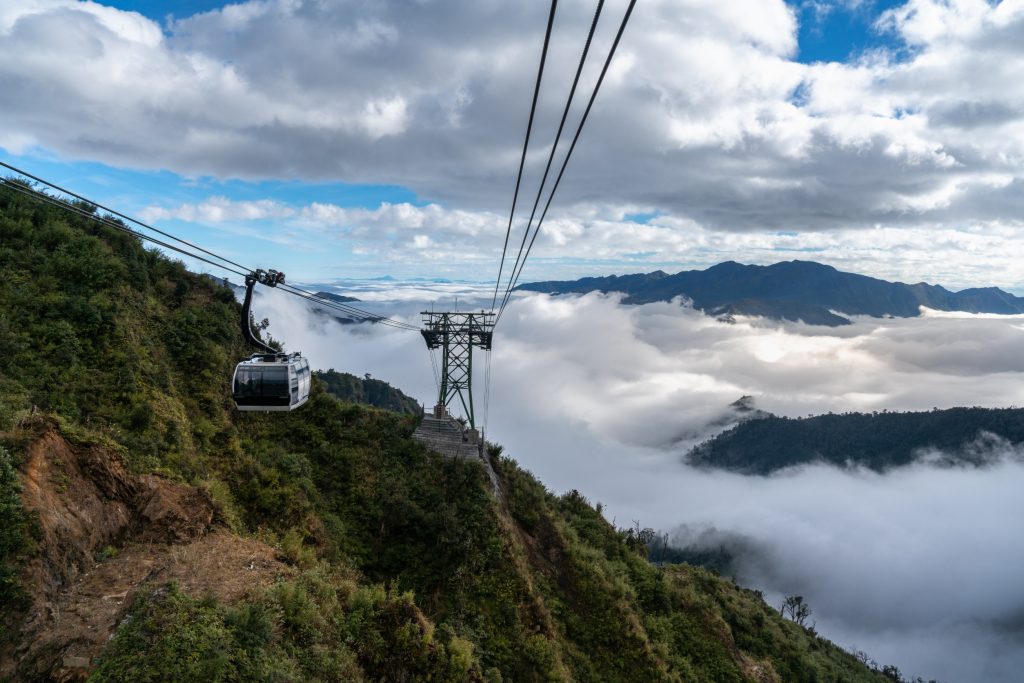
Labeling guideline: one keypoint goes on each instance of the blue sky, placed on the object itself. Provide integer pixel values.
(133, 190)
(161, 9)
(839, 31)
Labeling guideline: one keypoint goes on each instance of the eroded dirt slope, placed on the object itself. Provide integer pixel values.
(106, 534)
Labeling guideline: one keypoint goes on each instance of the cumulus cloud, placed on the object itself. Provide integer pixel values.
(917, 567)
(706, 117)
(220, 209)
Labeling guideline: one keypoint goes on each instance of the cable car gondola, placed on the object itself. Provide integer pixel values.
(266, 382)
(271, 380)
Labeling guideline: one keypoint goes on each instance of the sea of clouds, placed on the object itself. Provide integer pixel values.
(919, 567)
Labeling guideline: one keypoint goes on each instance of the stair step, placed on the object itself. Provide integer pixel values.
(445, 436)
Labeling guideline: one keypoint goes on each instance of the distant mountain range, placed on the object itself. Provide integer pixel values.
(338, 298)
(239, 291)
(814, 293)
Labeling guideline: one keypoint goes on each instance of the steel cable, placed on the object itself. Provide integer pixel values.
(526, 144)
(118, 214)
(558, 137)
(40, 196)
(344, 308)
(565, 162)
(433, 365)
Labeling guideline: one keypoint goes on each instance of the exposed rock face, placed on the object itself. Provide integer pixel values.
(83, 503)
(84, 576)
(86, 500)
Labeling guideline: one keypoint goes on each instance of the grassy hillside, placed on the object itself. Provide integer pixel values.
(880, 441)
(381, 561)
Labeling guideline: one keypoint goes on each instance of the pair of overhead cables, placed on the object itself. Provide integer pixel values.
(189, 249)
(526, 246)
(526, 143)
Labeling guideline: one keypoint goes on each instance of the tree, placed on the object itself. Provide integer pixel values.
(796, 608)
(892, 672)
(260, 327)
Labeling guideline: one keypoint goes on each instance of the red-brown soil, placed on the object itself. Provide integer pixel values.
(149, 530)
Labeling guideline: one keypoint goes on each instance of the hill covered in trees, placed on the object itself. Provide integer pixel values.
(791, 290)
(148, 531)
(366, 390)
(879, 441)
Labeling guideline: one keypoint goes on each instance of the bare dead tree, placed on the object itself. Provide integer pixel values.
(796, 609)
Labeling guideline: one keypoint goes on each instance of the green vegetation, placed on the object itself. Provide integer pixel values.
(409, 568)
(880, 441)
(112, 338)
(319, 626)
(719, 559)
(368, 391)
(15, 538)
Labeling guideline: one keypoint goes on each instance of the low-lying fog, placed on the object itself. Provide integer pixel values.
(920, 567)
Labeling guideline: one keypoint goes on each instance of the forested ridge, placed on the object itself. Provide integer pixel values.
(367, 390)
(358, 555)
(878, 440)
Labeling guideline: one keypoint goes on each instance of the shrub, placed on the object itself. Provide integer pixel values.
(15, 539)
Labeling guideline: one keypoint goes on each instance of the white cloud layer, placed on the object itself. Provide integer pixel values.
(604, 238)
(706, 116)
(919, 567)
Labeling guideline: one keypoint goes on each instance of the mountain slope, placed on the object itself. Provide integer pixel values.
(792, 290)
(185, 541)
(366, 390)
(879, 441)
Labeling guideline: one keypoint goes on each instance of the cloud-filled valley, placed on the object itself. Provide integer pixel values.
(916, 567)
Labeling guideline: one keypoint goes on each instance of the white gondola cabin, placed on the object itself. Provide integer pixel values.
(271, 382)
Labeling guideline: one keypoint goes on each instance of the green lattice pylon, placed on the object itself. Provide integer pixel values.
(456, 334)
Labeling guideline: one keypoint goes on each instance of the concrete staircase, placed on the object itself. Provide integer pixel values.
(446, 436)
